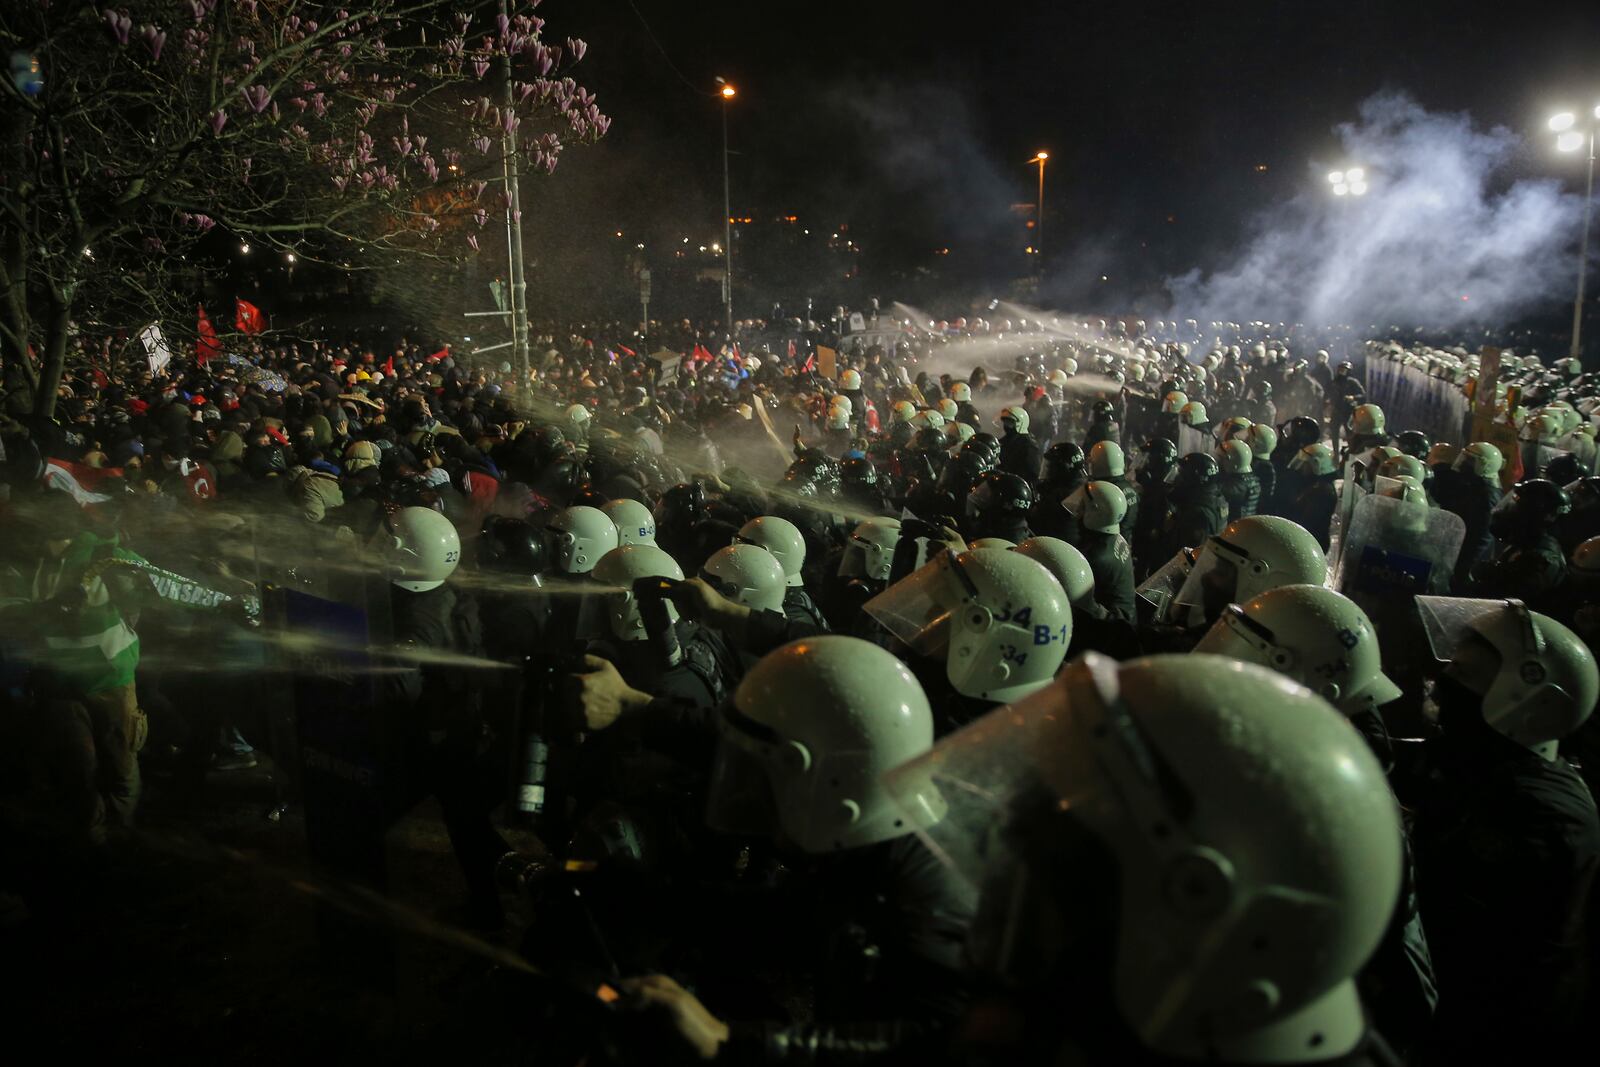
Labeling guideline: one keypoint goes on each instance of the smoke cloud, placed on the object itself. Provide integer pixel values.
(1439, 240)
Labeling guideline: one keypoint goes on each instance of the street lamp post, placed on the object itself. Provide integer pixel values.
(727, 93)
(1038, 214)
(1570, 140)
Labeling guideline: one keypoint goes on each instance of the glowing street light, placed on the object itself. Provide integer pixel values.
(1039, 157)
(727, 92)
(1349, 182)
(1570, 138)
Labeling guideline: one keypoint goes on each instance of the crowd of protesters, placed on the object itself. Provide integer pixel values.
(985, 689)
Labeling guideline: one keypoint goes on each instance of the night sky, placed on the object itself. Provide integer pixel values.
(914, 122)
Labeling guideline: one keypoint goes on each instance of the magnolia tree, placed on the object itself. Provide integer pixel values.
(367, 131)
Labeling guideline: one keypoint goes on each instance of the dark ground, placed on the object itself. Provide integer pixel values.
(197, 941)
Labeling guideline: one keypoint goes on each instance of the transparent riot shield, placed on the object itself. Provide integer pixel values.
(1355, 485)
(1395, 551)
(1195, 439)
(1398, 548)
(1157, 592)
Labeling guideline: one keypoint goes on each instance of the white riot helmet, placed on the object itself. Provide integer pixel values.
(1066, 564)
(1173, 403)
(947, 408)
(805, 744)
(1536, 678)
(1314, 635)
(839, 400)
(838, 418)
(1107, 461)
(1193, 414)
(1017, 416)
(620, 568)
(964, 433)
(748, 575)
(1404, 466)
(1367, 419)
(780, 537)
(1481, 460)
(420, 547)
(580, 536)
(578, 414)
(928, 419)
(1245, 833)
(1250, 556)
(634, 522)
(1057, 377)
(1069, 366)
(961, 393)
(1544, 426)
(850, 381)
(1098, 506)
(870, 551)
(1262, 439)
(1235, 426)
(1000, 621)
(902, 411)
(1315, 460)
(1234, 456)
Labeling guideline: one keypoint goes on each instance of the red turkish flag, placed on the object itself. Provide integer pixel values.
(207, 345)
(247, 317)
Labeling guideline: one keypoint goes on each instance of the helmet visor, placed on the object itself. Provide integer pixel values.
(1450, 622)
(916, 609)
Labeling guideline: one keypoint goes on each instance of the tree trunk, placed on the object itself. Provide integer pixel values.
(54, 359)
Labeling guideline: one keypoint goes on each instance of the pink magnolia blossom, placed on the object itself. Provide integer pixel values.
(219, 119)
(509, 121)
(119, 24)
(504, 24)
(482, 145)
(155, 40)
(577, 47)
(480, 216)
(197, 10)
(472, 239)
(248, 7)
(480, 67)
(257, 97)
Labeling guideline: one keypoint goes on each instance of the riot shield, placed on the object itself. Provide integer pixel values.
(1355, 485)
(1195, 439)
(1157, 592)
(1398, 548)
(1394, 552)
